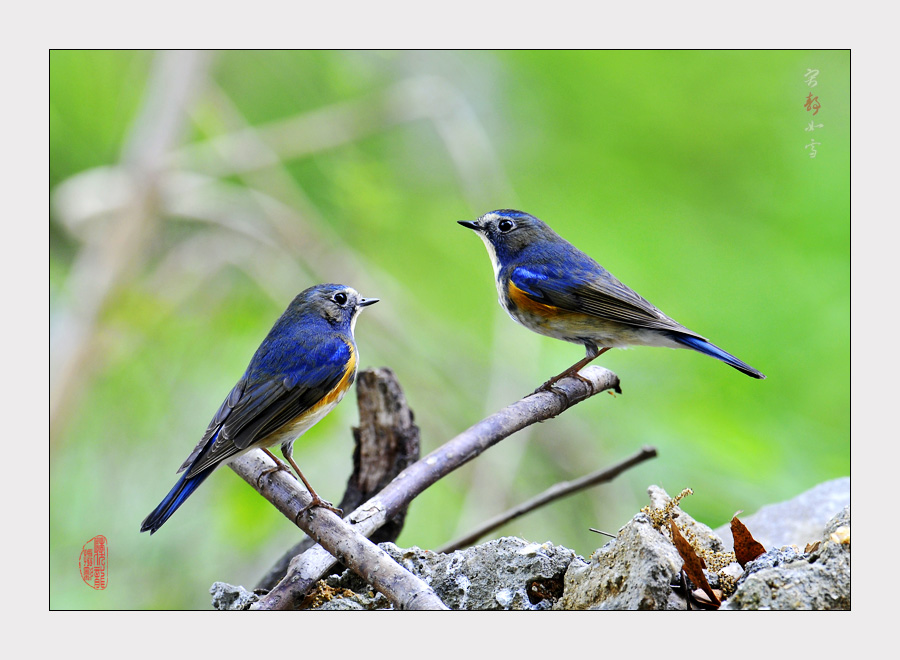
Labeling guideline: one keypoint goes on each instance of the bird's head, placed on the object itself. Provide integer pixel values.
(336, 303)
(506, 233)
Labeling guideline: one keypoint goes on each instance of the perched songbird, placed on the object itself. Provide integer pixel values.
(549, 286)
(298, 374)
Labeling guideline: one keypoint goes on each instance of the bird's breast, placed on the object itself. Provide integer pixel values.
(309, 417)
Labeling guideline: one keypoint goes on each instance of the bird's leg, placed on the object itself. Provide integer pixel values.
(573, 370)
(316, 500)
(278, 467)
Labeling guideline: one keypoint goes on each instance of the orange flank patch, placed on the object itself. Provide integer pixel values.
(318, 410)
(331, 399)
(529, 305)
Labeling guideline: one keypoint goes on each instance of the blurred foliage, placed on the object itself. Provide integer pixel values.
(687, 174)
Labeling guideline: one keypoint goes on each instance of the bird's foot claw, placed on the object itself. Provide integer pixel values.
(550, 386)
(584, 380)
(319, 502)
(562, 393)
(278, 468)
(547, 387)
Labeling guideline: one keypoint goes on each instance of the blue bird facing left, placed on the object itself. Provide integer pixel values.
(298, 375)
(553, 288)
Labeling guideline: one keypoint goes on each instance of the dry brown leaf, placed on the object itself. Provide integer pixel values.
(693, 565)
(746, 548)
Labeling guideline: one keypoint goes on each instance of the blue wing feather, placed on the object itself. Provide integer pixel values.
(584, 286)
(286, 377)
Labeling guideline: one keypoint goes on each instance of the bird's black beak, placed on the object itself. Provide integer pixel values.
(365, 302)
(470, 224)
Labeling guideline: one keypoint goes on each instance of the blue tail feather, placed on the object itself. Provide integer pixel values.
(176, 497)
(712, 350)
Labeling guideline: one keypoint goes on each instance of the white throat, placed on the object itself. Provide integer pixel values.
(492, 253)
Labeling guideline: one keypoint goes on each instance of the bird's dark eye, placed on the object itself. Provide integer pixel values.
(340, 298)
(506, 225)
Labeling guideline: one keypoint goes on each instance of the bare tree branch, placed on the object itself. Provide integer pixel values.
(555, 492)
(342, 541)
(386, 443)
(306, 569)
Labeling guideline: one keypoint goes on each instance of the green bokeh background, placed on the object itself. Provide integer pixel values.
(686, 174)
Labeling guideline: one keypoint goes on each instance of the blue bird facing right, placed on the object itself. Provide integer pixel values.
(299, 373)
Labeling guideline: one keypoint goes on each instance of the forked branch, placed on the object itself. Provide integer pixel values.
(306, 569)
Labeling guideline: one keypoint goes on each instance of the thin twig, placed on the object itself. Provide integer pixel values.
(306, 569)
(555, 492)
(600, 531)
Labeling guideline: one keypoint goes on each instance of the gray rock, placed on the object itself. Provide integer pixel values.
(788, 579)
(230, 597)
(632, 572)
(503, 574)
(344, 604)
(796, 521)
(835, 525)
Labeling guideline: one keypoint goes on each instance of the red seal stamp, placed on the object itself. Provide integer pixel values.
(92, 562)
